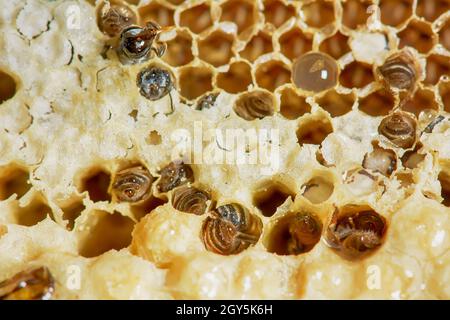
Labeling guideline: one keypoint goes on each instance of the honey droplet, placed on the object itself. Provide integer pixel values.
(315, 72)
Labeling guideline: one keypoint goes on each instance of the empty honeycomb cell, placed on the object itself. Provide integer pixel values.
(355, 13)
(241, 12)
(314, 130)
(96, 183)
(154, 138)
(444, 35)
(197, 18)
(194, 81)
(395, 12)
(276, 12)
(36, 211)
(444, 179)
(236, 79)
(292, 105)
(431, 10)
(319, 13)
(270, 195)
(422, 100)
(8, 86)
(156, 12)
(142, 209)
(294, 233)
(318, 189)
(412, 159)
(356, 75)
(71, 211)
(294, 43)
(337, 104)
(272, 74)
(216, 49)
(336, 46)
(106, 231)
(437, 66)
(444, 90)
(260, 44)
(419, 35)
(14, 179)
(179, 50)
(378, 103)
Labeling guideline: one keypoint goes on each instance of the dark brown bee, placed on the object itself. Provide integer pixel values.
(295, 233)
(355, 231)
(400, 71)
(174, 175)
(113, 16)
(399, 128)
(137, 44)
(190, 200)
(230, 229)
(33, 284)
(255, 105)
(132, 184)
(154, 83)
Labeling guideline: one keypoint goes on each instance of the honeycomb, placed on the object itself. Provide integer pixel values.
(98, 200)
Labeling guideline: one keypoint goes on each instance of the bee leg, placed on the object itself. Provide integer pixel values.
(172, 109)
(160, 49)
(153, 25)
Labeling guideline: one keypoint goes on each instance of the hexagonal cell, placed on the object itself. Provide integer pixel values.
(336, 46)
(272, 74)
(337, 104)
(197, 18)
(318, 189)
(270, 195)
(277, 12)
(356, 75)
(236, 79)
(157, 12)
(418, 35)
(33, 213)
(444, 91)
(194, 81)
(378, 103)
(216, 49)
(293, 105)
(7, 86)
(395, 12)
(260, 44)
(423, 99)
(355, 13)
(319, 13)
(314, 130)
(431, 10)
(294, 233)
(444, 179)
(437, 66)
(241, 12)
(96, 182)
(14, 179)
(294, 43)
(444, 35)
(179, 51)
(106, 232)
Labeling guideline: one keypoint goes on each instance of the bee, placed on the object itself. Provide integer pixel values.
(137, 44)
(113, 16)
